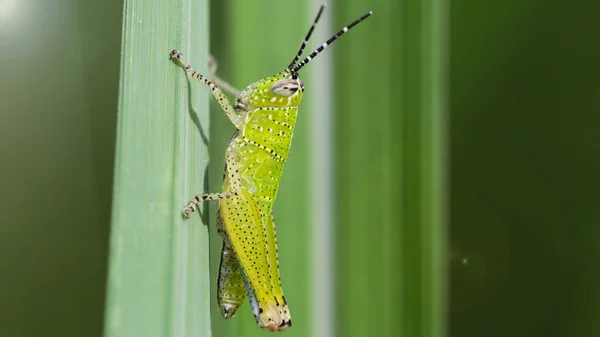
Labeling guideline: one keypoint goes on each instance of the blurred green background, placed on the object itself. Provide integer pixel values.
(521, 160)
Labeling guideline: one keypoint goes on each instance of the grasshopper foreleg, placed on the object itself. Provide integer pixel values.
(217, 92)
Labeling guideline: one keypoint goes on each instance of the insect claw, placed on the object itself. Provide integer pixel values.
(187, 212)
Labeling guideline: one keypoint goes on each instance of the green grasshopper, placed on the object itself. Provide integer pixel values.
(264, 115)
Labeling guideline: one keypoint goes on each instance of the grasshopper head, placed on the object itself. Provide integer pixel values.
(285, 89)
(280, 90)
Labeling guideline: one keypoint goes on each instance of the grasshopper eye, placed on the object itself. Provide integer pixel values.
(285, 88)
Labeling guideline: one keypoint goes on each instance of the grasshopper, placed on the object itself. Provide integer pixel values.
(264, 116)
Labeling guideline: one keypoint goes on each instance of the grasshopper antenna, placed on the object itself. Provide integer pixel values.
(303, 45)
(330, 41)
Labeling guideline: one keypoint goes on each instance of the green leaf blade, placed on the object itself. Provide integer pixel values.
(158, 281)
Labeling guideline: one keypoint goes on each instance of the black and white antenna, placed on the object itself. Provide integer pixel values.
(324, 45)
(303, 45)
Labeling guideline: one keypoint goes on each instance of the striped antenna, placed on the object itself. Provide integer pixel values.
(303, 45)
(330, 41)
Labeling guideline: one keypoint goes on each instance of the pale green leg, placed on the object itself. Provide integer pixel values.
(217, 92)
(231, 289)
(235, 185)
(233, 117)
(228, 88)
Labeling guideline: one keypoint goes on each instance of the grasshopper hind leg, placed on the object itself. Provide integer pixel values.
(231, 289)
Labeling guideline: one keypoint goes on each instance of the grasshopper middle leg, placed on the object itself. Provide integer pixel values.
(234, 178)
